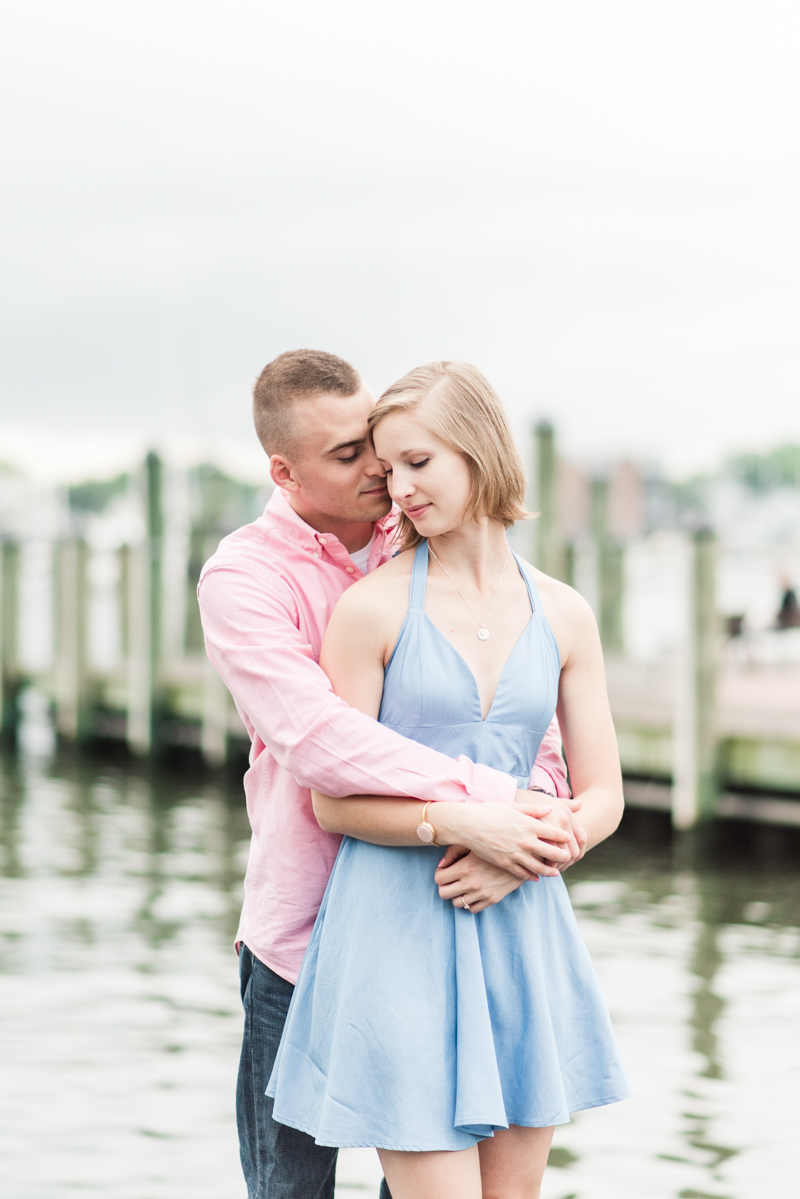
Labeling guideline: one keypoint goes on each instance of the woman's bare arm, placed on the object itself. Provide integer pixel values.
(584, 714)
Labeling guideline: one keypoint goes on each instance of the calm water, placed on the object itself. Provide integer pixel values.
(120, 1019)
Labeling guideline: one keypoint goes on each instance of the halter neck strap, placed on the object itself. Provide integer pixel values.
(533, 594)
(419, 577)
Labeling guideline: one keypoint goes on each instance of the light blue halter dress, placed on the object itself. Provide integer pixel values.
(416, 1025)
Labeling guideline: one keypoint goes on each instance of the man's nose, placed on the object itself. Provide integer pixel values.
(373, 467)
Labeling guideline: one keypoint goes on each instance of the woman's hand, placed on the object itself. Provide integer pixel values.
(520, 837)
(463, 876)
(565, 815)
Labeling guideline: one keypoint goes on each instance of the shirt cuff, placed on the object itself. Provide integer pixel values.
(485, 785)
(541, 777)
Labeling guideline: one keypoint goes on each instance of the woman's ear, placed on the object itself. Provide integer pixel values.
(282, 473)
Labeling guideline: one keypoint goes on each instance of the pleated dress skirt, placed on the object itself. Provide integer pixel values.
(416, 1025)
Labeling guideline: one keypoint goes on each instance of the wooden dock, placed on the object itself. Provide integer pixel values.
(704, 736)
(756, 735)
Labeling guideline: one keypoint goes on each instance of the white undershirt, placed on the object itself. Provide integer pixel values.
(361, 557)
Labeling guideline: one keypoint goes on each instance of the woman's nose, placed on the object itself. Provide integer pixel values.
(404, 485)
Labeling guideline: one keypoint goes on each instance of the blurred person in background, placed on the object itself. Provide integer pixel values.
(266, 597)
(788, 616)
(453, 1036)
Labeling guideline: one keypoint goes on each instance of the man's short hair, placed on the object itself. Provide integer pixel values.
(296, 375)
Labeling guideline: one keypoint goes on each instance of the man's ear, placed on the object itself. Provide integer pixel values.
(282, 473)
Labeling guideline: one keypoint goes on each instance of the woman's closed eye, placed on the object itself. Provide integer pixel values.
(414, 465)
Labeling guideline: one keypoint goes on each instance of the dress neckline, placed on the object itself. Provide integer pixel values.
(417, 593)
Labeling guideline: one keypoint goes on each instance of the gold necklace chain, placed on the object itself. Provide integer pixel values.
(483, 632)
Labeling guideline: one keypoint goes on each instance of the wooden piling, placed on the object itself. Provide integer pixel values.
(154, 484)
(144, 616)
(695, 785)
(10, 678)
(610, 565)
(610, 572)
(71, 612)
(139, 732)
(124, 599)
(547, 553)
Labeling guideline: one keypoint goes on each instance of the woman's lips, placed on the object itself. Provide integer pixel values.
(413, 513)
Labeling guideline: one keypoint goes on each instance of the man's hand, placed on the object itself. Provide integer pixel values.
(462, 875)
(519, 838)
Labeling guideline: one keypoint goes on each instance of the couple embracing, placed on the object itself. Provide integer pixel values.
(412, 975)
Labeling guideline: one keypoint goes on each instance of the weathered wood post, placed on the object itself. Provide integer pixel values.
(140, 690)
(694, 790)
(547, 548)
(71, 613)
(154, 475)
(9, 638)
(143, 609)
(610, 566)
(221, 505)
(124, 600)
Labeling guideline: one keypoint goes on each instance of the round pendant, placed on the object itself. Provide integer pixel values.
(483, 633)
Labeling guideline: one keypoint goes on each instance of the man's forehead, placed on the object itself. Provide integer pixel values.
(334, 422)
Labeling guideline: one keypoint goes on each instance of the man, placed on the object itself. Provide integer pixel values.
(265, 599)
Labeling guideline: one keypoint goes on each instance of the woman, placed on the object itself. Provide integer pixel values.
(452, 1036)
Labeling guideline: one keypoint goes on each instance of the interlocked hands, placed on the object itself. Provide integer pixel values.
(559, 840)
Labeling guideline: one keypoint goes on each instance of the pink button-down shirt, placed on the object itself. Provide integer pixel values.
(266, 597)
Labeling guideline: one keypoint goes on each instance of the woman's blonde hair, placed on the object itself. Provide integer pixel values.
(465, 411)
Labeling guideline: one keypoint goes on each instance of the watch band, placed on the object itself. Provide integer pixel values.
(425, 831)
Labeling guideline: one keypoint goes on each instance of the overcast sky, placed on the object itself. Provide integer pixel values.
(596, 201)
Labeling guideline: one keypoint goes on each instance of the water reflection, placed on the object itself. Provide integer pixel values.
(697, 944)
(12, 799)
(120, 1022)
(119, 1012)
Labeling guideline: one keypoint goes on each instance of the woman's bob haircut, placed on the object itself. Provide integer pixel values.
(464, 410)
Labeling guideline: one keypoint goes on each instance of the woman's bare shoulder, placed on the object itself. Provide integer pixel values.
(571, 617)
(377, 594)
(555, 593)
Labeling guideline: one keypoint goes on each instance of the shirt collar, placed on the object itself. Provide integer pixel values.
(282, 516)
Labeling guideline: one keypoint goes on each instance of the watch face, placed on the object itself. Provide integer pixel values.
(425, 833)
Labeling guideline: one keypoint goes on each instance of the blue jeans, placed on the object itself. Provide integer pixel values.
(278, 1162)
